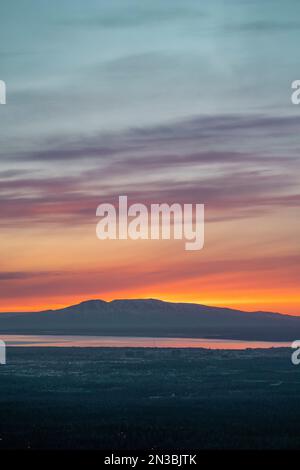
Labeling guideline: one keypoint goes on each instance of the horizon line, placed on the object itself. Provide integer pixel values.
(76, 303)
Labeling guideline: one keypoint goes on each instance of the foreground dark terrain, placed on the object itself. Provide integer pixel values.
(149, 398)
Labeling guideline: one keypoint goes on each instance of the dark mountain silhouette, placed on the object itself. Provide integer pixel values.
(156, 318)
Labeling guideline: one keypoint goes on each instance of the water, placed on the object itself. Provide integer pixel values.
(134, 342)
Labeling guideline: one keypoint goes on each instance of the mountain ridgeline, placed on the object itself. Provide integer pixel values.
(155, 318)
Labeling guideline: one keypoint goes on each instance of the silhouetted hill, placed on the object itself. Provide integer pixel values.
(152, 317)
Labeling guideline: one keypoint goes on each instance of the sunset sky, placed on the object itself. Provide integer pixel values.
(163, 101)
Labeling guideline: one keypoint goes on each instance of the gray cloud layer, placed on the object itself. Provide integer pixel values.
(237, 166)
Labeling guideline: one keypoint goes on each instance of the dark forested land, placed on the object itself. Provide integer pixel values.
(118, 399)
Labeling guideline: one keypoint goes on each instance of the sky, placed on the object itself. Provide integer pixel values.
(164, 101)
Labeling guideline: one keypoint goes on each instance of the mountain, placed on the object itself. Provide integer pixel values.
(156, 318)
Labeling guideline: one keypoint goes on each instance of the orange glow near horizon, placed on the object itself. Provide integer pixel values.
(287, 305)
(62, 267)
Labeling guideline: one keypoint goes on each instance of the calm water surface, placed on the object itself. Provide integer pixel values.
(133, 342)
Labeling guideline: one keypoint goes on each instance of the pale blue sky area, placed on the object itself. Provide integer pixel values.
(77, 66)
